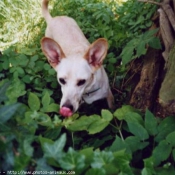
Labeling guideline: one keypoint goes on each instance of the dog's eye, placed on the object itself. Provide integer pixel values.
(62, 81)
(81, 82)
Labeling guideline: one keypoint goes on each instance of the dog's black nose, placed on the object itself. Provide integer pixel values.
(68, 105)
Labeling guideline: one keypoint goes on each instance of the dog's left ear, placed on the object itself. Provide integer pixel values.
(52, 51)
(97, 53)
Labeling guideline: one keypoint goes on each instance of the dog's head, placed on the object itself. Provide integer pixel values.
(75, 73)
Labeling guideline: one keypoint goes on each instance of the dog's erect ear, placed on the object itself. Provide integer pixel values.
(52, 51)
(97, 52)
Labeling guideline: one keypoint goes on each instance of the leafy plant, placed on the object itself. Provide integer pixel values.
(34, 137)
(138, 46)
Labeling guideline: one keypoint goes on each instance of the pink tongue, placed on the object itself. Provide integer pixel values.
(66, 112)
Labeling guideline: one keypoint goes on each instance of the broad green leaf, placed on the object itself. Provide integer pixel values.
(127, 55)
(118, 145)
(149, 34)
(106, 115)
(4, 128)
(53, 107)
(46, 99)
(171, 138)
(21, 162)
(134, 143)
(167, 169)
(44, 120)
(122, 162)
(55, 150)
(151, 123)
(96, 171)
(147, 171)
(72, 160)
(138, 130)
(161, 152)
(33, 102)
(82, 123)
(141, 49)
(101, 159)
(121, 112)
(93, 124)
(53, 133)
(148, 167)
(3, 89)
(6, 112)
(155, 43)
(28, 149)
(165, 127)
(173, 153)
(44, 140)
(134, 117)
(88, 153)
(97, 126)
(15, 90)
(43, 166)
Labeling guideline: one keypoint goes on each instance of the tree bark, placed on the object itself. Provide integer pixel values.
(144, 95)
(156, 88)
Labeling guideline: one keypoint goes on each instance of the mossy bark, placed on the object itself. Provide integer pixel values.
(167, 90)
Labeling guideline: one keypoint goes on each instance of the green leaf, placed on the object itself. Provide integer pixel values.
(3, 89)
(28, 149)
(141, 49)
(43, 166)
(6, 112)
(135, 144)
(118, 145)
(97, 126)
(88, 153)
(161, 152)
(15, 90)
(138, 130)
(72, 160)
(101, 159)
(121, 112)
(134, 118)
(148, 167)
(165, 127)
(155, 43)
(44, 120)
(82, 123)
(53, 107)
(33, 102)
(93, 124)
(44, 140)
(96, 171)
(46, 100)
(151, 123)
(171, 138)
(55, 150)
(127, 54)
(21, 162)
(106, 115)
(122, 162)
(173, 153)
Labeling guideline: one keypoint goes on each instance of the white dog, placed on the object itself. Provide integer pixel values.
(77, 62)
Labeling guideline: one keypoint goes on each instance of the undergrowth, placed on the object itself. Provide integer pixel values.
(35, 138)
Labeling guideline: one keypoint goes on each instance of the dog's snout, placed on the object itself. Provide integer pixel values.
(68, 105)
(67, 109)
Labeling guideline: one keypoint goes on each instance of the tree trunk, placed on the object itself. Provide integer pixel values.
(153, 91)
(167, 90)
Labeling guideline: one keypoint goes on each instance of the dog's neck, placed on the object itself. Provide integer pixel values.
(98, 88)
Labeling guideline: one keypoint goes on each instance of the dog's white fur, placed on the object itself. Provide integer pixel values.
(77, 62)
